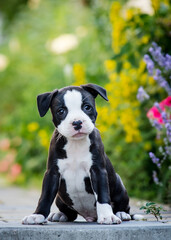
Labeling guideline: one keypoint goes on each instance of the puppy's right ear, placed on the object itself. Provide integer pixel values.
(44, 100)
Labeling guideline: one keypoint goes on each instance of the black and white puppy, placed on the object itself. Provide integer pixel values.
(79, 174)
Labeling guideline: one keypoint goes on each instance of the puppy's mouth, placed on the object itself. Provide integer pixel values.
(79, 135)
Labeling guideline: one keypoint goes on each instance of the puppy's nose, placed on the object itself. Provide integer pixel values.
(77, 125)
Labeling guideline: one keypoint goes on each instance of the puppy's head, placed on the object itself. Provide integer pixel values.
(73, 109)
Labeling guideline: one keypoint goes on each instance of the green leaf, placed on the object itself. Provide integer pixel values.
(150, 203)
(143, 207)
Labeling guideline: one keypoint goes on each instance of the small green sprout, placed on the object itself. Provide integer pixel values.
(152, 208)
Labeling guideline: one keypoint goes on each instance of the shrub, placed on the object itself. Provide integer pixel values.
(110, 42)
(127, 133)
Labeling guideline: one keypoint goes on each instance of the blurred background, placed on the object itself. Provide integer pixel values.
(48, 44)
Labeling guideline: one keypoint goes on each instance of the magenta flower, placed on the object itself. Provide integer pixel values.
(159, 113)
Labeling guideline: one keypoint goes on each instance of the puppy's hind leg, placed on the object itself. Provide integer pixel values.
(66, 214)
(120, 201)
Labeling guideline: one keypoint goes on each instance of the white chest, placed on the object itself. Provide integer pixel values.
(74, 169)
(78, 161)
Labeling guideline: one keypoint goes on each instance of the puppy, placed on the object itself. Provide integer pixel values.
(79, 174)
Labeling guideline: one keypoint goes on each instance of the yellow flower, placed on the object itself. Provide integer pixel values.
(128, 138)
(126, 92)
(44, 142)
(42, 133)
(143, 78)
(118, 24)
(115, 10)
(44, 138)
(113, 77)
(145, 39)
(112, 118)
(79, 74)
(102, 128)
(110, 65)
(33, 126)
(142, 67)
(147, 146)
(166, 2)
(118, 36)
(130, 125)
(151, 81)
(129, 14)
(126, 65)
(155, 4)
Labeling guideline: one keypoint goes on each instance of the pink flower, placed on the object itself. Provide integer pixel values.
(154, 112)
(7, 161)
(4, 166)
(4, 144)
(166, 102)
(15, 171)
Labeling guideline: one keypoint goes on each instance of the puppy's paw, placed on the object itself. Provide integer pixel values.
(105, 214)
(110, 219)
(138, 217)
(123, 216)
(58, 217)
(34, 219)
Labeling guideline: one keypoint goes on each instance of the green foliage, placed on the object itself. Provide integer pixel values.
(128, 134)
(33, 68)
(152, 208)
(10, 9)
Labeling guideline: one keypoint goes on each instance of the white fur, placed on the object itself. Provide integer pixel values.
(123, 216)
(105, 214)
(34, 219)
(73, 102)
(74, 169)
(139, 217)
(57, 217)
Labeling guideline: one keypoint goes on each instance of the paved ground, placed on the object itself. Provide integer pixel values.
(15, 203)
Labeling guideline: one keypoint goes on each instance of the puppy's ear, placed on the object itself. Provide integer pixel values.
(95, 90)
(44, 100)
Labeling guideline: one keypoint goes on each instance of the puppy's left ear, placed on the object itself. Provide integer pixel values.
(95, 90)
(44, 100)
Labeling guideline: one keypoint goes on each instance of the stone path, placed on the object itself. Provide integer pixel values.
(15, 203)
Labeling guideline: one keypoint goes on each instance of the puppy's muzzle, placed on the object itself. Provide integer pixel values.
(77, 125)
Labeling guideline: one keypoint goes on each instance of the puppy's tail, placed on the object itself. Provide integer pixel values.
(138, 217)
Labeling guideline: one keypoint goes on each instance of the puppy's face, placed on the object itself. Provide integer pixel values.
(74, 112)
(73, 109)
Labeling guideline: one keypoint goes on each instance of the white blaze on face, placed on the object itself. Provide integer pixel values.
(73, 102)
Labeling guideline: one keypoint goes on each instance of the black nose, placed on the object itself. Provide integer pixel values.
(77, 125)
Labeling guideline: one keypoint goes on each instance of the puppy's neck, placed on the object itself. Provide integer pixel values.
(76, 146)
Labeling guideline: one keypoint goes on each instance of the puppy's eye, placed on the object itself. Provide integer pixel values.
(87, 107)
(61, 111)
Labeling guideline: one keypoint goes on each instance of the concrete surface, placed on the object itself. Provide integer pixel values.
(15, 203)
(87, 231)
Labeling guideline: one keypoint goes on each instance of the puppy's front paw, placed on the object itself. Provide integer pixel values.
(123, 216)
(57, 217)
(34, 219)
(105, 214)
(110, 219)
